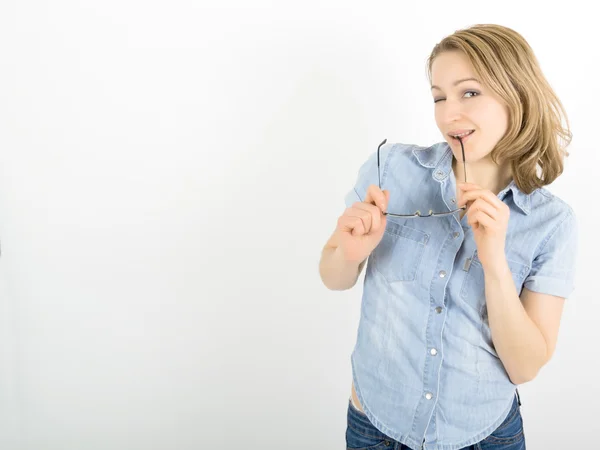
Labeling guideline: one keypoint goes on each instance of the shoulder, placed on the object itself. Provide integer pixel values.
(394, 157)
(549, 204)
(388, 158)
(557, 218)
(387, 153)
(554, 238)
(425, 155)
(436, 149)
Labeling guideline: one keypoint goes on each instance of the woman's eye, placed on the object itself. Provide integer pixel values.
(474, 94)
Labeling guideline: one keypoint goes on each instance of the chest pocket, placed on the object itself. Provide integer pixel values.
(473, 287)
(398, 255)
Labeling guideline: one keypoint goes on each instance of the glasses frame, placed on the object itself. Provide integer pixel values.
(418, 212)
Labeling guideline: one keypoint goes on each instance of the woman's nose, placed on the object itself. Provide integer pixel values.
(452, 111)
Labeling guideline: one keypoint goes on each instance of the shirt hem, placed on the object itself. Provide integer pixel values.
(411, 443)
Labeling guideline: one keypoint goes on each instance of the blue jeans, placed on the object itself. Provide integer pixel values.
(362, 435)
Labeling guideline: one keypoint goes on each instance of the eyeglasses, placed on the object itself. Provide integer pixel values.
(418, 213)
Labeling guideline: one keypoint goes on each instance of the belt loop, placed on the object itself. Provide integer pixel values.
(518, 397)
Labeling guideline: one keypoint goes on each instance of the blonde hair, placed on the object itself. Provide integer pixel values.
(535, 142)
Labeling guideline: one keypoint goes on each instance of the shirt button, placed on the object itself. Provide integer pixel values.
(453, 200)
(433, 351)
(456, 234)
(429, 396)
(442, 274)
(438, 310)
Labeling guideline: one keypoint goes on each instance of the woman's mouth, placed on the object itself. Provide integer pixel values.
(464, 137)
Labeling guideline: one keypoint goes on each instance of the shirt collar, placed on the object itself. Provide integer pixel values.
(438, 157)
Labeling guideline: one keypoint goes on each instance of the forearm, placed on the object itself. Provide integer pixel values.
(337, 273)
(517, 339)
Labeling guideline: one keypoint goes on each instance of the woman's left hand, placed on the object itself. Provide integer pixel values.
(488, 217)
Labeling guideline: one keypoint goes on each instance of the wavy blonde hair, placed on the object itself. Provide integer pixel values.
(535, 142)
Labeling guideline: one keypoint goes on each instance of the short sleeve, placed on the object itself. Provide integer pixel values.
(553, 269)
(367, 175)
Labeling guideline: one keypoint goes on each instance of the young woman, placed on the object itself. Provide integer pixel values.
(470, 257)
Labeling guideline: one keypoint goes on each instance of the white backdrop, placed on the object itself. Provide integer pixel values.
(169, 172)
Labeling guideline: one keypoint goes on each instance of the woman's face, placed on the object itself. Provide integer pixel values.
(464, 106)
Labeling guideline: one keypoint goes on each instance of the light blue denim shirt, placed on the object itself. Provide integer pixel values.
(424, 365)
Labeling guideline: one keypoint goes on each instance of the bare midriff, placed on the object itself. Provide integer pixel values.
(355, 399)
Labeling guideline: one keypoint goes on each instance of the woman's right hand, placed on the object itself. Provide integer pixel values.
(361, 226)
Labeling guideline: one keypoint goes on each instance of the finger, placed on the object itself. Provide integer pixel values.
(376, 197)
(468, 186)
(374, 212)
(481, 205)
(467, 197)
(480, 193)
(492, 199)
(357, 210)
(481, 218)
(351, 224)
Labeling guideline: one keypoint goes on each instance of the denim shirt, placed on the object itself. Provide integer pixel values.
(424, 365)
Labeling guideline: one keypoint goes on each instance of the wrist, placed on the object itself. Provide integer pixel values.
(497, 268)
(340, 256)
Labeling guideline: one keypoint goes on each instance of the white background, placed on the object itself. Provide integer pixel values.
(169, 172)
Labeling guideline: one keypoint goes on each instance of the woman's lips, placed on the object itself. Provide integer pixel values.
(463, 138)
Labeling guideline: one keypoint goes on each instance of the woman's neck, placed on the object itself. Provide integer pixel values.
(485, 173)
